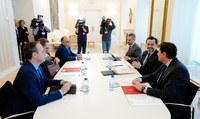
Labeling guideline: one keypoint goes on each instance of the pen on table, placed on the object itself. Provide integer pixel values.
(118, 65)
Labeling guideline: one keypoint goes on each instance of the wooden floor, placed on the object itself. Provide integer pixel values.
(97, 48)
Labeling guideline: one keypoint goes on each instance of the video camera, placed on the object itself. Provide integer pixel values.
(38, 20)
(103, 22)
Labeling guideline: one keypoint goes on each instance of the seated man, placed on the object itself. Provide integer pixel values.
(28, 87)
(45, 43)
(149, 62)
(171, 80)
(134, 52)
(64, 52)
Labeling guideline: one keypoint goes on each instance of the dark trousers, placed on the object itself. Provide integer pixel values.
(82, 44)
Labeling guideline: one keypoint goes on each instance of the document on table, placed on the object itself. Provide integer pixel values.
(63, 100)
(143, 100)
(127, 80)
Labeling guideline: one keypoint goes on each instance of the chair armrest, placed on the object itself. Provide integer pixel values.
(17, 115)
(177, 104)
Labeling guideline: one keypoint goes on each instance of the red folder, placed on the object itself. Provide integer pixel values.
(130, 90)
(74, 69)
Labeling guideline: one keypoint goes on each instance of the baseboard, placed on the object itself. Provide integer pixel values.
(8, 71)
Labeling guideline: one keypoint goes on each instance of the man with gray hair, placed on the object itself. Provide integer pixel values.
(64, 52)
(134, 52)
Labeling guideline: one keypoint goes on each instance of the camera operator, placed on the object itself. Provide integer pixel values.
(40, 31)
(106, 29)
(82, 31)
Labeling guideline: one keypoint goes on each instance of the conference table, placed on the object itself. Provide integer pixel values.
(99, 102)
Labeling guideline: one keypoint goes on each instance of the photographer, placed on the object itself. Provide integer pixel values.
(82, 31)
(106, 29)
(40, 30)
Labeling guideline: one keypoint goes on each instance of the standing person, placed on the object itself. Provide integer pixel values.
(23, 33)
(30, 82)
(41, 30)
(171, 80)
(149, 62)
(134, 52)
(19, 42)
(82, 31)
(64, 52)
(106, 34)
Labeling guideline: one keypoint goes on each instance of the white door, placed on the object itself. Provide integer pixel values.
(93, 20)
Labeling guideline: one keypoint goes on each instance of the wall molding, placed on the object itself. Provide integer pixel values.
(8, 71)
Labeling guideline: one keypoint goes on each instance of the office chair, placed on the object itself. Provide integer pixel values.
(189, 98)
(5, 92)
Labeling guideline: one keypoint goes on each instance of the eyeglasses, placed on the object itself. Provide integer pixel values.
(67, 42)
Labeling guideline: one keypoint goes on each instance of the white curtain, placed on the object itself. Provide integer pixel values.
(185, 29)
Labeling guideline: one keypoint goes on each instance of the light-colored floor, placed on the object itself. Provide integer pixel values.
(116, 47)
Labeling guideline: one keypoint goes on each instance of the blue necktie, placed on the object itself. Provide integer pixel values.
(163, 70)
(41, 76)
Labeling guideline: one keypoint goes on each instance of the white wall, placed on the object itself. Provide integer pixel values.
(9, 58)
(123, 18)
(142, 17)
(108, 8)
(23, 9)
(61, 15)
(133, 5)
(183, 26)
(41, 7)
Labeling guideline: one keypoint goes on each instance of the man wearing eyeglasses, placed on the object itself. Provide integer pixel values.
(149, 62)
(64, 52)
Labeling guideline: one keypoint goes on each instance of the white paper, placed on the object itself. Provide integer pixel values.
(143, 100)
(65, 74)
(63, 100)
(127, 80)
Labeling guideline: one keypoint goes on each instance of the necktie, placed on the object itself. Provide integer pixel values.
(146, 59)
(41, 76)
(129, 48)
(163, 70)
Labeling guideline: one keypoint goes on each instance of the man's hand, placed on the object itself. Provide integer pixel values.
(126, 57)
(136, 64)
(20, 43)
(37, 24)
(56, 60)
(137, 85)
(79, 56)
(65, 87)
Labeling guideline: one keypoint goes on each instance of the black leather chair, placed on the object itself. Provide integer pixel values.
(187, 107)
(5, 92)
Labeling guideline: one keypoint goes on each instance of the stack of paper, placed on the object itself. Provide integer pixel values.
(126, 69)
(136, 98)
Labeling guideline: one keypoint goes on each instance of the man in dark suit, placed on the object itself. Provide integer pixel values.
(45, 43)
(171, 80)
(149, 62)
(134, 52)
(30, 82)
(64, 52)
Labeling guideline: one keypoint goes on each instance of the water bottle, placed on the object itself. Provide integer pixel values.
(82, 69)
(109, 64)
(112, 83)
(85, 85)
(88, 56)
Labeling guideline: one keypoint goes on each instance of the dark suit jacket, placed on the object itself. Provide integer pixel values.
(173, 85)
(135, 53)
(28, 90)
(65, 55)
(151, 65)
(23, 35)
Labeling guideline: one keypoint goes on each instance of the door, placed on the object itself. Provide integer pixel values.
(93, 20)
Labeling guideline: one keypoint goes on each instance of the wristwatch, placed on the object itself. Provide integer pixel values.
(142, 89)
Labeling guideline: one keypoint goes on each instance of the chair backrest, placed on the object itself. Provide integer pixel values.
(191, 93)
(51, 70)
(5, 92)
(73, 40)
